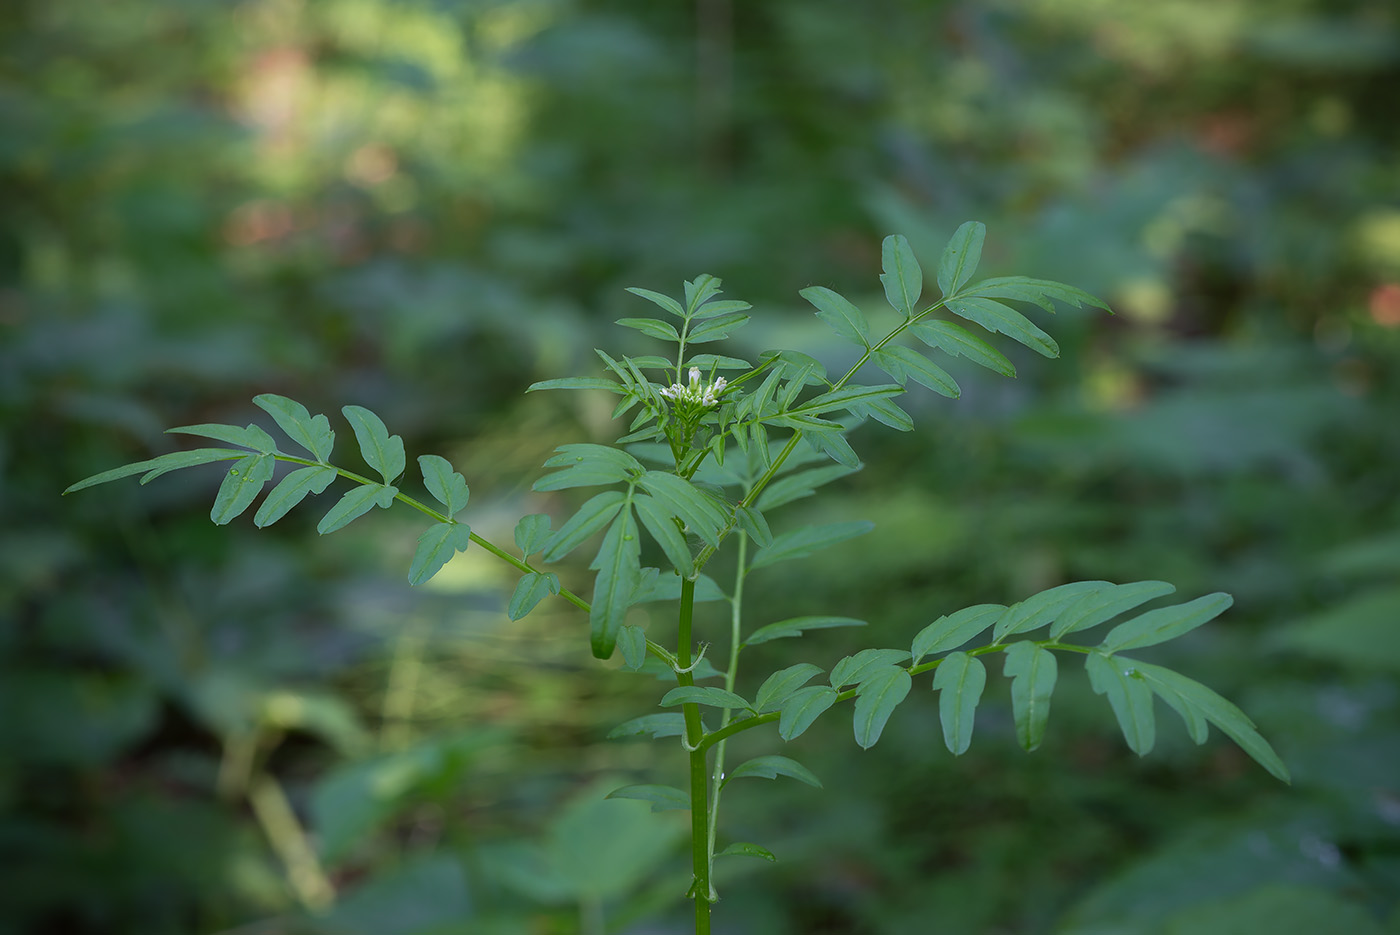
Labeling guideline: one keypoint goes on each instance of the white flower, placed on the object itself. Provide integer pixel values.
(697, 393)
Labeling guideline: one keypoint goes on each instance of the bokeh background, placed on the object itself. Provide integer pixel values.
(422, 207)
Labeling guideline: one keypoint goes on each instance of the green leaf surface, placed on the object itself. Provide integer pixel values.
(632, 643)
(796, 626)
(716, 328)
(802, 708)
(751, 521)
(902, 278)
(886, 413)
(956, 341)
(446, 485)
(595, 513)
(662, 798)
(879, 694)
(857, 667)
(240, 486)
(291, 490)
(1039, 291)
(155, 467)
(800, 484)
(662, 301)
(712, 309)
(354, 504)
(952, 630)
(1105, 603)
(809, 539)
(251, 436)
(577, 383)
(836, 310)
(532, 533)
(314, 433)
(1033, 671)
(961, 256)
(668, 724)
(994, 316)
(660, 523)
(778, 686)
(959, 682)
(652, 328)
(835, 447)
(702, 512)
(700, 290)
(532, 588)
(771, 767)
(1129, 695)
(745, 849)
(588, 466)
(618, 565)
(704, 695)
(1194, 701)
(1040, 609)
(436, 547)
(381, 451)
(1165, 623)
(903, 363)
(846, 397)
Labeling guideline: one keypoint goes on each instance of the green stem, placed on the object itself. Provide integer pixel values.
(731, 677)
(700, 887)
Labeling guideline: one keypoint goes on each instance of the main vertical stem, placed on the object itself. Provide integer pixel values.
(700, 887)
(731, 676)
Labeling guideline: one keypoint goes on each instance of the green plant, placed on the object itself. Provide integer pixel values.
(716, 476)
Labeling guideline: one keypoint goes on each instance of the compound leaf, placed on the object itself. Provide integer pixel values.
(656, 298)
(1165, 623)
(1039, 291)
(956, 341)
(1039, 609)
(796, 626)
(800, 484)
(665, 331)
(880, 692)
(356, 503)
(436, 547)
(836, 310)
(803, 542)
(903, 363)
(959, 680)
(717, 328)
(587, 466)
(445, 484)
(381, 451)
(961, 256)
(251, 436)
(995, 316)
(846, 397)
(858, 667)
(241, 485)
(1130, 697)
(160, 465)
(291, 490)
(662, 798)
(1032, 670)
(314, 433)
(952, 630)
(532, 533)
(533, 587)
(802, 708)
(591, 517)
(701, 511)
(778, 686)
(619, 572)
(902, 277)
(773, 766)
(1105, 603)
(659, 521)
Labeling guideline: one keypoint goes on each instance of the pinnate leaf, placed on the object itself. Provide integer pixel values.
(381, 451)
(836, 310)
(902, 277)
(595, 513)
(714, 329)
(250, 436)
(356, 503)
(436, 547)
(314, 433)
(952, 630)
(533, 587)
(446, 485)
(773, 766)
(665, 331)
(796, 626)
(1105, 603)
(995, 316)
(959, 681)
(291, 490)
(662, 301)
(1130, 697)
(1165, 623)
(778, 686)
(702, 512)
(956, 341)
(802, 708)
(961, 257)
(155, 467)
(1033, 671)
(858, 667)
(879, 694)
(619, 573)
(241, 485)
(659, 521)
(531, 533)
(588, 466)
(1039, 609)
(904, 363)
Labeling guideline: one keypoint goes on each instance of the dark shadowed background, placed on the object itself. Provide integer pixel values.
(422, 207)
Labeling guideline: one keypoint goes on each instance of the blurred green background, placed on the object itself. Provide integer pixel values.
(421, 207)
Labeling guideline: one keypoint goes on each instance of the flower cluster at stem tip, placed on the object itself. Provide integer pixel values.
(696, 394)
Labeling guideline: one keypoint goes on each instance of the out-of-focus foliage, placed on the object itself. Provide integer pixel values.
(421, 207)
